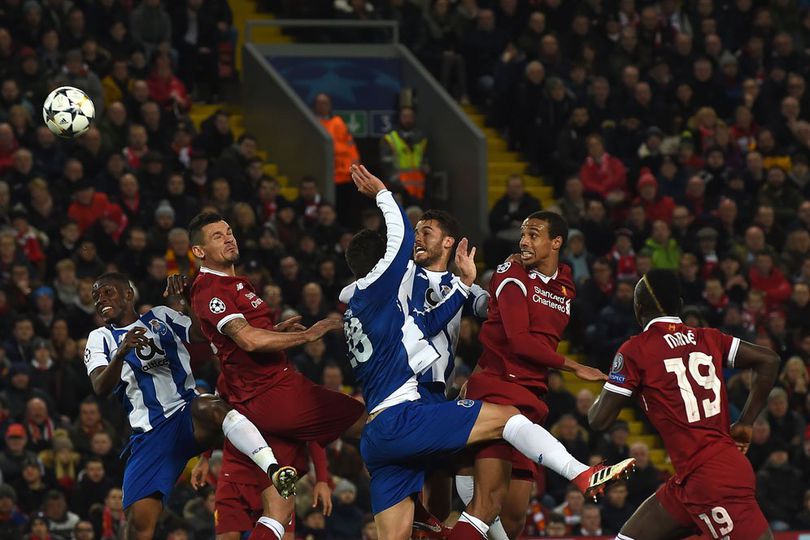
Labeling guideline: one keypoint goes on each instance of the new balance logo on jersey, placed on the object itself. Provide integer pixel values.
(679, 339)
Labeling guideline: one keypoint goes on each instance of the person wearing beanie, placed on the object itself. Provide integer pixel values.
(656, 206)
(346, 518)
(12, 521)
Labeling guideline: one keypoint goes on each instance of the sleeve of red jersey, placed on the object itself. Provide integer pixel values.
(623, 378)
(217, 306)
(511, 294)
(730, 345)
(318, 455)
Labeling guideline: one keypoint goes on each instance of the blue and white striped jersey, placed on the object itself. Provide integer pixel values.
(429, 290)
(155, 382)
(387, 345)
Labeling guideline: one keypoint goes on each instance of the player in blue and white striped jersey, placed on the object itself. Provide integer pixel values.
(403, 434)
(143, 359)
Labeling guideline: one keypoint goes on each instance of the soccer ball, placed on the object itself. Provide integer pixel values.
(68, 112)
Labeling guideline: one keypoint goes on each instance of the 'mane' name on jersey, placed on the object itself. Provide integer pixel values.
(156, 380)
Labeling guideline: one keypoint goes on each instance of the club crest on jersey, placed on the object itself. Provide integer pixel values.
(87, 355)
(216, 305)
(466, 403)
(503, 267)
(240, 286)
(158, 327)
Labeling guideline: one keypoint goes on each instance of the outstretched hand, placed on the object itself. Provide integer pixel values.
(465, 262)
(368, 184)
(176, 285)
(587, 373)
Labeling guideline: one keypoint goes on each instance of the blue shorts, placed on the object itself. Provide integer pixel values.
(432, 392)
(157, 457)
(400, 443)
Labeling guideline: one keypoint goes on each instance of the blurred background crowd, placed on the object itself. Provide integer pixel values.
(676, 135)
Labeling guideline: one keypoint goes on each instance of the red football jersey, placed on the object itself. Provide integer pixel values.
(528, 313)
(677, 372)
(218, 298)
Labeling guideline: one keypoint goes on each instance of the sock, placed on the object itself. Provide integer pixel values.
(496, 530)
(267, 529)
(465, 488)
(247, 439)
(620, 536)
(542, 447)
(469, 528)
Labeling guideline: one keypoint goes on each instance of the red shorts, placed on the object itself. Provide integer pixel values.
(492, 388)
(718, 497)
(292, 412)
(238, 507)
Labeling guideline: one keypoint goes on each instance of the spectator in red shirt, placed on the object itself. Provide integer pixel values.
(8, 145)
(656, 207)
(28, 240)
(136, 146)
(602, 173)
(87, 206)
(165, 88)
(766, 277)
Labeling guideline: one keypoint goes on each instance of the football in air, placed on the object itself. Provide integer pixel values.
(68, 112)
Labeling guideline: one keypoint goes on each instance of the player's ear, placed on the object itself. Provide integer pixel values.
(557, 243)
(448, 242)
(198, 252)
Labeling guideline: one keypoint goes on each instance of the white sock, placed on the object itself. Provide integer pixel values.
(622, 537)
(479, 525)
(496, 530)
(273, 525)
(540, 446)
(465, 487)
(247, 439)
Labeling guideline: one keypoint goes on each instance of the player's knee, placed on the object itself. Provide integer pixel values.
(210, 409)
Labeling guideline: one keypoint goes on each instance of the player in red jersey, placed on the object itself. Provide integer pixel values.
(529, 308)
(676, 371)
(239, 491)
(257, 379)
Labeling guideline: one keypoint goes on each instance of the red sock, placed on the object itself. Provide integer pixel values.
(464, 530)
(264, 532)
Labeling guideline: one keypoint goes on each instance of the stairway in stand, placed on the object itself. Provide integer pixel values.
(243, 11)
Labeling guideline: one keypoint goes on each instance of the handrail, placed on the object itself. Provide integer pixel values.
(321, 23)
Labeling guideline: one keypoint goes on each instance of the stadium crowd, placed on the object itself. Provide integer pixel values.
(677, 135)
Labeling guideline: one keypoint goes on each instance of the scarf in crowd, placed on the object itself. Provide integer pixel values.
(108, 525)
(173, 266)
(42, 432)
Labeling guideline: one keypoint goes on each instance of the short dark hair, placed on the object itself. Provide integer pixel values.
(661, 293)
(365, 250)
(557, 226)
(116, 277)
(447, 222)
(199, 221)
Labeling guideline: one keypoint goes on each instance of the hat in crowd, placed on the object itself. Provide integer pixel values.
(113, 212)
(707, 233)
(647, 179)
(778, 445)
(654, 131)
(18, 212)
(81, 185)
(252, 266)
(164, 209)
(344, 485)
(575, 233)
(39, 343)
(198, 153)
(43, 291)
(31, 5)
(7, 491)
(727, 59)
(19, 367)
(619, 425)
(623, 231)
(27, 52)
(16, 430)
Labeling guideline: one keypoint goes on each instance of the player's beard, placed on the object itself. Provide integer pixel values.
(429, 257)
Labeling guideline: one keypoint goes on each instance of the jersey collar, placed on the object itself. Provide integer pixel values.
(675, 320)
(206, 270)
(544, 277)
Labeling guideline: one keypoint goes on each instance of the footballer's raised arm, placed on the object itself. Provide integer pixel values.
(400, 236)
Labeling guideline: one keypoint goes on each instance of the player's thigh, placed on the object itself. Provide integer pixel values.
(652, 521)
(489, 424)
(739, 519)
(513, 510)
(395, 522)
(208, 413)
(490, 489)
(237, 508)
